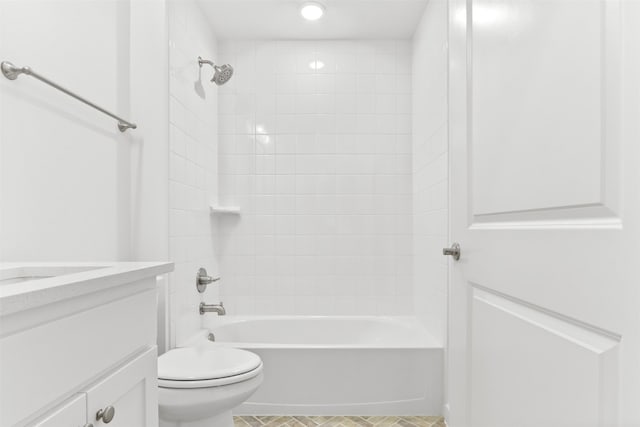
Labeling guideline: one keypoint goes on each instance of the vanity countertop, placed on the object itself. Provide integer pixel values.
(25, 285)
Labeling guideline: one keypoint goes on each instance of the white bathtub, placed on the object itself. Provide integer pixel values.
(337, 365)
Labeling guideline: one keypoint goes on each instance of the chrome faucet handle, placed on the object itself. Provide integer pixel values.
(203, 279)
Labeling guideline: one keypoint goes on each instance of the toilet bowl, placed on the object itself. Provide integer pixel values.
(199, 387)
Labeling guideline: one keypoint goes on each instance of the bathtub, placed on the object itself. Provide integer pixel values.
(316, 365)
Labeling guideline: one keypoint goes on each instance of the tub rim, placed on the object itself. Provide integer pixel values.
(425, 341)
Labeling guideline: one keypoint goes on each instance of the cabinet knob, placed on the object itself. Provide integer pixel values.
(106, 414)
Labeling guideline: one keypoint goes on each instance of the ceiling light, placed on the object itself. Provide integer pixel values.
(312, 11)
(316, 65)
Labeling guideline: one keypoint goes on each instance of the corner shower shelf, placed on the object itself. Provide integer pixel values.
(224, 210)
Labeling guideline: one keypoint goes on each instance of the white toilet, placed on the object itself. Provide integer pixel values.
(199, 387)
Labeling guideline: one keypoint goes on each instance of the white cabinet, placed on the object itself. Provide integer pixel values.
(128, 395)
(64, 359)
(72, 413)
(131, 393)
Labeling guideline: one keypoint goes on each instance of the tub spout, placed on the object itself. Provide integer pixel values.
(213, 308)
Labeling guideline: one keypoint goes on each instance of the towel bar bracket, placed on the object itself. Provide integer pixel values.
(10, 71)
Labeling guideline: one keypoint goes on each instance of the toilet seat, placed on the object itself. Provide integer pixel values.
(192, 367)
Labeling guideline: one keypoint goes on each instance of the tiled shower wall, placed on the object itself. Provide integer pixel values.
(430, 168)
(315, 149)
(193, 159)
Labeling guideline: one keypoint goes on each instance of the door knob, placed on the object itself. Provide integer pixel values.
(106, 414)
(454, 251)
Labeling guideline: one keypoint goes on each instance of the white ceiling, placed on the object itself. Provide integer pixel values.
(344, 19)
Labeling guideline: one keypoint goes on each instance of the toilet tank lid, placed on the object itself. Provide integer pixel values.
(197, 364)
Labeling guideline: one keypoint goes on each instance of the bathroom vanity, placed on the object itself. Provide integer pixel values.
(78, 344)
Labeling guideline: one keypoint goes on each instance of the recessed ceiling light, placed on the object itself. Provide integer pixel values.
(312, 11)
(316, 65)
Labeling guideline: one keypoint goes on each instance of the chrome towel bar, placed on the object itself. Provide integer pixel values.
(12, 72)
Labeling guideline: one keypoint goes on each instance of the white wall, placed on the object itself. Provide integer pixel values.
(193, 159)
(430, 168)
(72, 187)
(320, 164)
(64, 167)
(150, 144)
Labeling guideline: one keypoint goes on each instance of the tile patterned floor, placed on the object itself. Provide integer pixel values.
(328, 421)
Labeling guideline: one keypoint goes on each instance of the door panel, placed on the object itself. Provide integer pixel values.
(131, 391)
(527, 110)
(72, 413)
(544, 307)
(543, 97)
(546, 358)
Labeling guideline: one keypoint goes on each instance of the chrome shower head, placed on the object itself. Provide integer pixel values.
(221, 75)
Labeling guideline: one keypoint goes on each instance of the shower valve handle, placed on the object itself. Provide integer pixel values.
(203, 279)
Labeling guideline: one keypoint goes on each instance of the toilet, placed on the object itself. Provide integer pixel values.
(198, 387)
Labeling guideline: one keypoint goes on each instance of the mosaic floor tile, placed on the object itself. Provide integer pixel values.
(328, 421)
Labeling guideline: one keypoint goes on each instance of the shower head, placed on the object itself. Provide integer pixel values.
(221, 75)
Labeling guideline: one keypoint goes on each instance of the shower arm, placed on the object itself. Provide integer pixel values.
(205, 61)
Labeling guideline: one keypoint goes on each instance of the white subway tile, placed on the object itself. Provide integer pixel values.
(320, 163)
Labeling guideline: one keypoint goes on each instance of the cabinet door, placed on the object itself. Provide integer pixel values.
(132, 391)
(72, 413)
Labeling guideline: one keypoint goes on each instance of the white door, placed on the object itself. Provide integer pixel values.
(545, 183)
(129, 396)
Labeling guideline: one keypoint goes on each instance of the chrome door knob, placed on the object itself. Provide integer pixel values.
(106, 414)
(453, 251)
